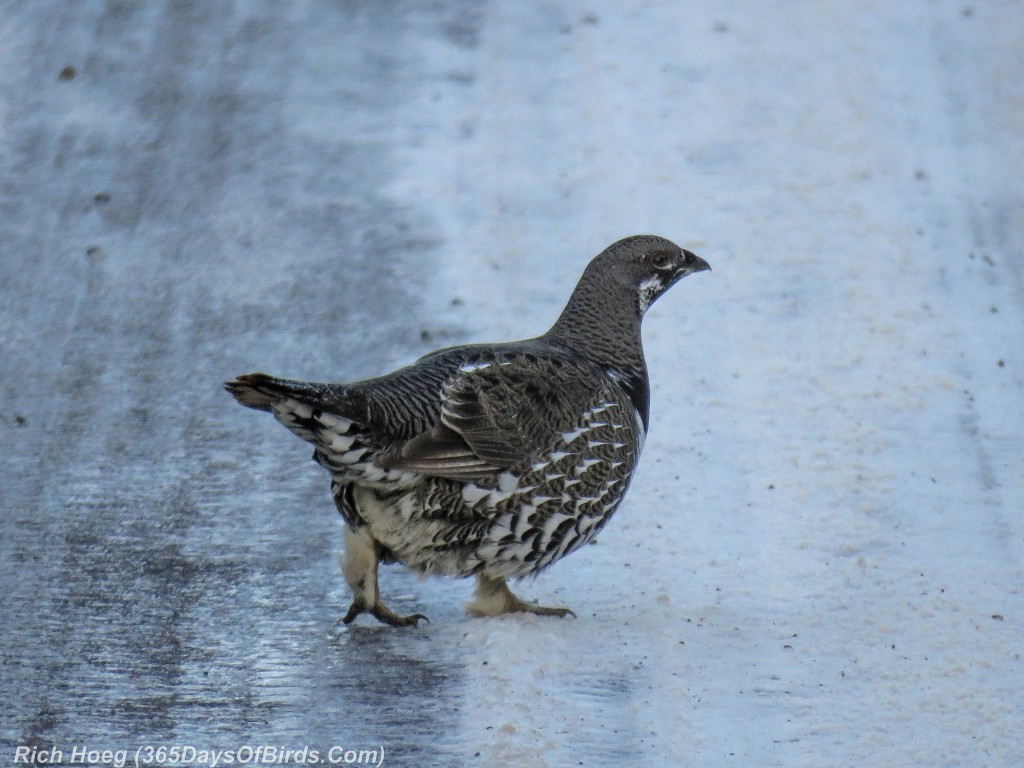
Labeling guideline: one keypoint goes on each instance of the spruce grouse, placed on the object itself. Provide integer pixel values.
(492, 460)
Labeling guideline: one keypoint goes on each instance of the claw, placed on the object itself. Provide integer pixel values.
(543, 610)
(383, 614)
(353, 611)
(395, 620)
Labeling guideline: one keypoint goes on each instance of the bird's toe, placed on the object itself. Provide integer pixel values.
(544, 610)
(358, 606)
(385, 615)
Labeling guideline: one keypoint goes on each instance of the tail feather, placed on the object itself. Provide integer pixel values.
(262, 392)
(313, 412)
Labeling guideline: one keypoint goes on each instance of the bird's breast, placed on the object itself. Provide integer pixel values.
(561, 501)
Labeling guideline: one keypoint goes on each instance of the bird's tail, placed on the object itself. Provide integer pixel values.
(262, 392)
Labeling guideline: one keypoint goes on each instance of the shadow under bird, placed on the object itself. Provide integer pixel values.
(490, 460)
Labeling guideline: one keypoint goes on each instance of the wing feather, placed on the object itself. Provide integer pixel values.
(490, 423)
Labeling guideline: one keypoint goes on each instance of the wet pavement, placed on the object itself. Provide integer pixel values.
(169, 221)
(823, 543)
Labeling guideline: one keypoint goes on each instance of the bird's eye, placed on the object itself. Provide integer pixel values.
(661, 260)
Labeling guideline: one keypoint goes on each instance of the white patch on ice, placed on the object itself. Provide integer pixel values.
(846, 452)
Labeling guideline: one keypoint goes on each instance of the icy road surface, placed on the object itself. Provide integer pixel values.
(821, 559)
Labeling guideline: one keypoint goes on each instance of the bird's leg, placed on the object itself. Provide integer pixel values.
(493, 598)
(359, 566)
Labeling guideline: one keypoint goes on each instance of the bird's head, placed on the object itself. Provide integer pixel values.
(647, 265)
(617, 288)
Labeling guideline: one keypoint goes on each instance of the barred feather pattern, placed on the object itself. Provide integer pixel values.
(507, 523)
(345, 449)
(496, 459)
(517, 522)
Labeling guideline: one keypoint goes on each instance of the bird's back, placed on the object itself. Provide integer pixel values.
(510, 401)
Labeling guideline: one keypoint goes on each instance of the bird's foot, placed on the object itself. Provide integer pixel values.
(382, 613)
(522, 606)
(493, 598)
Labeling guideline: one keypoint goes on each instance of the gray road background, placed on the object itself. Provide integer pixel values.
(189, 190)
(164, 225)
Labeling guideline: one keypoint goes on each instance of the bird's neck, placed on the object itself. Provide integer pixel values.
(605, 329)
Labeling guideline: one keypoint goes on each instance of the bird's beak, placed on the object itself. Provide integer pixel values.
(696, 263)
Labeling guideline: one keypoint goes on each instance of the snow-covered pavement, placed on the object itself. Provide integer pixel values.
(820, 561)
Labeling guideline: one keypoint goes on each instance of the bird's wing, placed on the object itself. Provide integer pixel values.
(497, 415)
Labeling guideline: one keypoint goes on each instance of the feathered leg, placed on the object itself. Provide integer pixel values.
(359, 566)
(493, 598)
